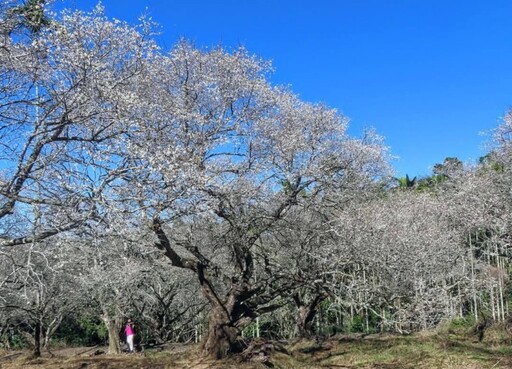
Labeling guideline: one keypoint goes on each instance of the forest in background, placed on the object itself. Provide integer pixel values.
(184, 190)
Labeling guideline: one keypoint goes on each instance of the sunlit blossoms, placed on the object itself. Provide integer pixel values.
(185, 189)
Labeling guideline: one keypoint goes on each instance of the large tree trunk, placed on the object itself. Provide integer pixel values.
(113, 327)
(223, 336)
(230, 312)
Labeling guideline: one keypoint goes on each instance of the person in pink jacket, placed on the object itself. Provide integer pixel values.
(129, 331)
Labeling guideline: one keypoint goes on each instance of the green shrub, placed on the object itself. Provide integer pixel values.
(81, 331)
(18, 341)
(462, 323)
(356, 324)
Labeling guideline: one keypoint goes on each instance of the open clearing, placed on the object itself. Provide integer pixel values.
(341, 352)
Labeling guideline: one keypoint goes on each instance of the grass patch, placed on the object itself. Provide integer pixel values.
(425, 351)
(412, 352)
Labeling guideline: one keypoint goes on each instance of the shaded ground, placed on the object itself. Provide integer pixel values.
(342, 352)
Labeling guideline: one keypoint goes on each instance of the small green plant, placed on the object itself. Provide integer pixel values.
(462, 322)
(17, 341)
(356, 324)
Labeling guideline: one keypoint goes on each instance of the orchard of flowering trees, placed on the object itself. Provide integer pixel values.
(182, 189)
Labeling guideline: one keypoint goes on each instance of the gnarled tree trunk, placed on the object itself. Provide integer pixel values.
(223, 336)
(232, 310)
(306, 312)
(113, 327)
(303, 319)
(227, 318)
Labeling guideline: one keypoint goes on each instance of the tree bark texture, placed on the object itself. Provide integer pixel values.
(222, 337)
(113, 328)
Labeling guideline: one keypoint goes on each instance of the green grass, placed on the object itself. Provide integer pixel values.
(414, 352)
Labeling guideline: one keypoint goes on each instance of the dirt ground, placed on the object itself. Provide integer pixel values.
(169, 356)
(342, 352)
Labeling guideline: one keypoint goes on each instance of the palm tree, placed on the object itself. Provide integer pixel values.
(406, 182)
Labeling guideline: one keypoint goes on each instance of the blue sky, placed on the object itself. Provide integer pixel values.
(429, 75)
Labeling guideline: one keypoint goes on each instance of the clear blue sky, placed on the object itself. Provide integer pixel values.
(428, 75)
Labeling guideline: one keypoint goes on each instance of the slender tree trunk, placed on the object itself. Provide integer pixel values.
(491, 292)
(473, 289)
(258, 327)
(196, 333)
(37, 339)
(5, 338)
(367, 319)
(50, 330)
(501, 269)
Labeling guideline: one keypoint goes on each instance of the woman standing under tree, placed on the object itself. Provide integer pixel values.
(129, 331)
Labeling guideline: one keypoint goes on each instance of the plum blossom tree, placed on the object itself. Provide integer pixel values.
(62, 139)
(59, 118)
(39, 287)
(229, 155)
(100, 130)
(407, 259)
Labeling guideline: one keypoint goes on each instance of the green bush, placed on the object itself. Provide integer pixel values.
(82, 331)
(17, 341)
(356, 324)
(464, 322)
